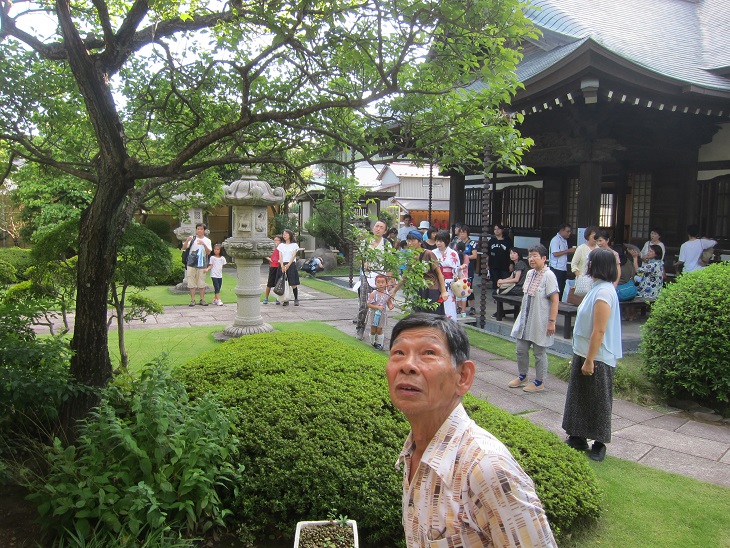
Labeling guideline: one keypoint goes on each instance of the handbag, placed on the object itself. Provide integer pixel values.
(505, 288)
(626, 291)
(707, 256)
(573, 298)
(279, 288)
(583, 284)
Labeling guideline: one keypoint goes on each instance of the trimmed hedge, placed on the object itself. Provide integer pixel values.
(318, 431)
(19, 258)
(685, 339)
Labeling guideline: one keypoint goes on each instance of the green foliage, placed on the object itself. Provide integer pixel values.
(139, 307)
(686, 336)
(325, 223)
(148, 461)
(8, 273)
(18, 257)
(281, 221)
(333, 215)
(329, 84)
(34, 372)
(143, 258)
(389, 216)
(412, 280)
(48, 198)
(318, 431)
(161, 227)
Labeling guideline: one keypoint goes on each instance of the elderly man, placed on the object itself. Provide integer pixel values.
(372, 266)
(461, 485)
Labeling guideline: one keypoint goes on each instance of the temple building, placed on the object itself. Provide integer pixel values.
(628, 104)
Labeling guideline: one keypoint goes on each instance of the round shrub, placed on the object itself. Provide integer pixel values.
(161, 227)
(685, 339)
(19, 258)
(8, 273)
(318, 431)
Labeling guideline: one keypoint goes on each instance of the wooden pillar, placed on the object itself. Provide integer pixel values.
(622, 183)
(589, 194)
(487, 220)
(457, 198)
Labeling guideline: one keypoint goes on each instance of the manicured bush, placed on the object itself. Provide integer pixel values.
(147, 462)
(177, 271)
(318, 431)
(19, 257)
(564, 482)
(8, 273)
(685, 340)
(160, 227)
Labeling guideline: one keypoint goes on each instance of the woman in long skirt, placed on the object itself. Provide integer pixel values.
(596, 349)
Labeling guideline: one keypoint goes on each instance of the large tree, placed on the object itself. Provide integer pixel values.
(141, 99)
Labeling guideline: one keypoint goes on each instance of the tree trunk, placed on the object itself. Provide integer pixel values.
(101, 227)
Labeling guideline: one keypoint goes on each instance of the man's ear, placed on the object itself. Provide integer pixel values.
(467, 370)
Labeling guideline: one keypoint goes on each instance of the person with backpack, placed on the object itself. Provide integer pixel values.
(198, 248)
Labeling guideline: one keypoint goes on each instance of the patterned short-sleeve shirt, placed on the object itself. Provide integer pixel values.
(469, 492)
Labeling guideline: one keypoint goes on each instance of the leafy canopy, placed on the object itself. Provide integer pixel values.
(194, 85)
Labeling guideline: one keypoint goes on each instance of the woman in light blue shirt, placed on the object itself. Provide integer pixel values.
(596, 348)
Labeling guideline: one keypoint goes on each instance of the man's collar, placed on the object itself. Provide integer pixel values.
(441, 451)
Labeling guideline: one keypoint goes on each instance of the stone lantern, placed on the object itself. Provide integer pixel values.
(250, 199)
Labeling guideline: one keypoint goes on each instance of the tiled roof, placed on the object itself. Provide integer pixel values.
(407, 169)
(679, 39)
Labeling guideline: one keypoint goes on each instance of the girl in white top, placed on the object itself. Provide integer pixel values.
(288, 263)
(215, 266)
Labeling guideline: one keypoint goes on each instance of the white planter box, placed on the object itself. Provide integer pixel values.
(351, 522)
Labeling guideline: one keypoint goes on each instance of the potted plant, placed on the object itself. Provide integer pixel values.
(334, 532)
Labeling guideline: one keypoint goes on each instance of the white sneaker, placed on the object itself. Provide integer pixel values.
(219, 303)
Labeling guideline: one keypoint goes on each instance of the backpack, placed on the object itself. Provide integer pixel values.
(186, 253)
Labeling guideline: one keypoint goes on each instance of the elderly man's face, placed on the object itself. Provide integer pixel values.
(379, 228)
(422, 380)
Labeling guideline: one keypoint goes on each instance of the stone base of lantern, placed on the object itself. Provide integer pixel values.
(236, 331)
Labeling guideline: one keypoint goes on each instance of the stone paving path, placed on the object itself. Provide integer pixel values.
(667, 441)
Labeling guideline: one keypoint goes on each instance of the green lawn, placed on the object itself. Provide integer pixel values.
(643, 507)
(647, 508)
(162, 294)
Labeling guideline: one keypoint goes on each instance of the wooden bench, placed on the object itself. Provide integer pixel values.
(636, 301)
(568, 311)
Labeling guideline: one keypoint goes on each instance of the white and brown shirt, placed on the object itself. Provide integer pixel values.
(469, 492)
